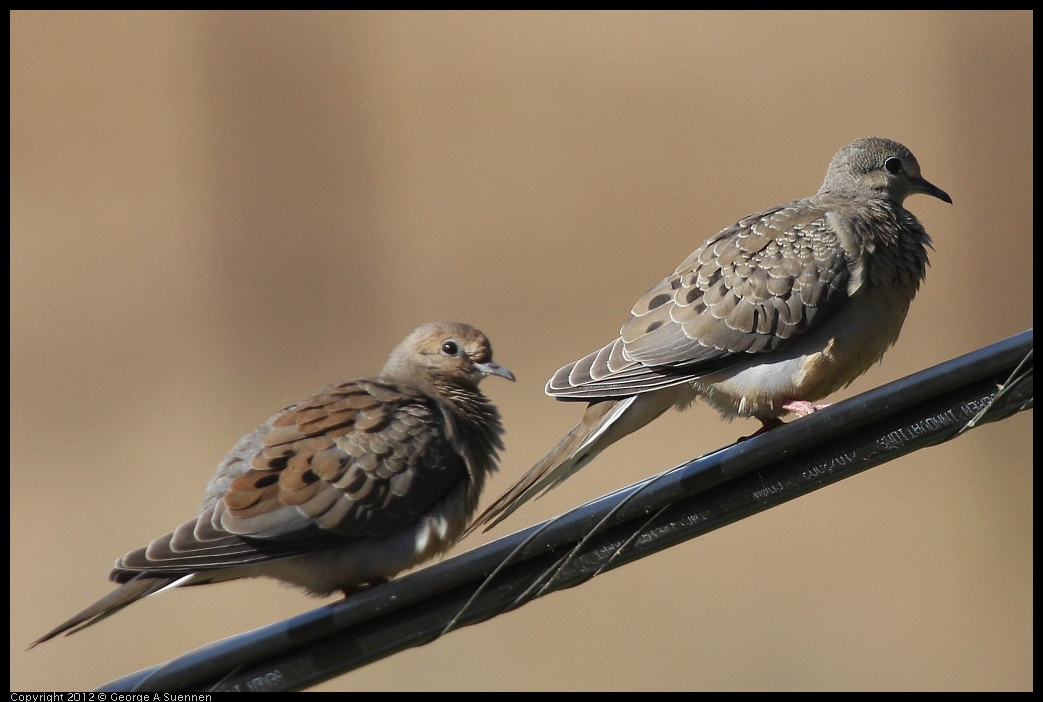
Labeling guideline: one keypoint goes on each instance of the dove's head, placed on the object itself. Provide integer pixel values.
(444, 351)
(878, 167)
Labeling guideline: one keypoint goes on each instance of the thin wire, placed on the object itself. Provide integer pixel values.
(1012, 381)
(633, 537)
(496, 571)
(601, 523)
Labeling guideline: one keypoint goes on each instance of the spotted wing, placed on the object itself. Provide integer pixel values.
(360, 459)
(752, 288)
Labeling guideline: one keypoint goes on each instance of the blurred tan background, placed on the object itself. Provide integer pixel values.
(213, 215)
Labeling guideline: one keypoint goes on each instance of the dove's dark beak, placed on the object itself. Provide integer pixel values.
(491, 368)
(927, 188)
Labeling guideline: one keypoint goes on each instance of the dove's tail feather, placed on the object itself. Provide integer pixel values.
(603, 423)
(125, 594)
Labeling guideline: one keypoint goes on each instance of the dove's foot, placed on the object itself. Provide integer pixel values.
(802, 408)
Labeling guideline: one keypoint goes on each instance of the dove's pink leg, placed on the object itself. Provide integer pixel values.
(802, 408)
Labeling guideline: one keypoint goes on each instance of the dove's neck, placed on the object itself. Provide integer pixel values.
(887, 239)
(473, 425)
(471, 408)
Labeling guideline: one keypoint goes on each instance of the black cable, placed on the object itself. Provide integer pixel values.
(924, 409)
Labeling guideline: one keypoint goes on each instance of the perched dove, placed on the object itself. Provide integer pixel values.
(350, 486)
(776, 311)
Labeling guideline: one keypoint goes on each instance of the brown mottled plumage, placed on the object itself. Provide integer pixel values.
(776, 311)
(346, 488)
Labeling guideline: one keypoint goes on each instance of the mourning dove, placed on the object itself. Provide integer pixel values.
(776, 311)
(346, 488)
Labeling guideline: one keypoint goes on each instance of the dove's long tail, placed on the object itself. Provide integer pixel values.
(603, 423)
(125, 594)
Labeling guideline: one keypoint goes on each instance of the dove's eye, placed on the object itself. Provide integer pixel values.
(893, 164)
(450, 348)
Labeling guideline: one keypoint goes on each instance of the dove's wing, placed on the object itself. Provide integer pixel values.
(359, 459)
(750, 289)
